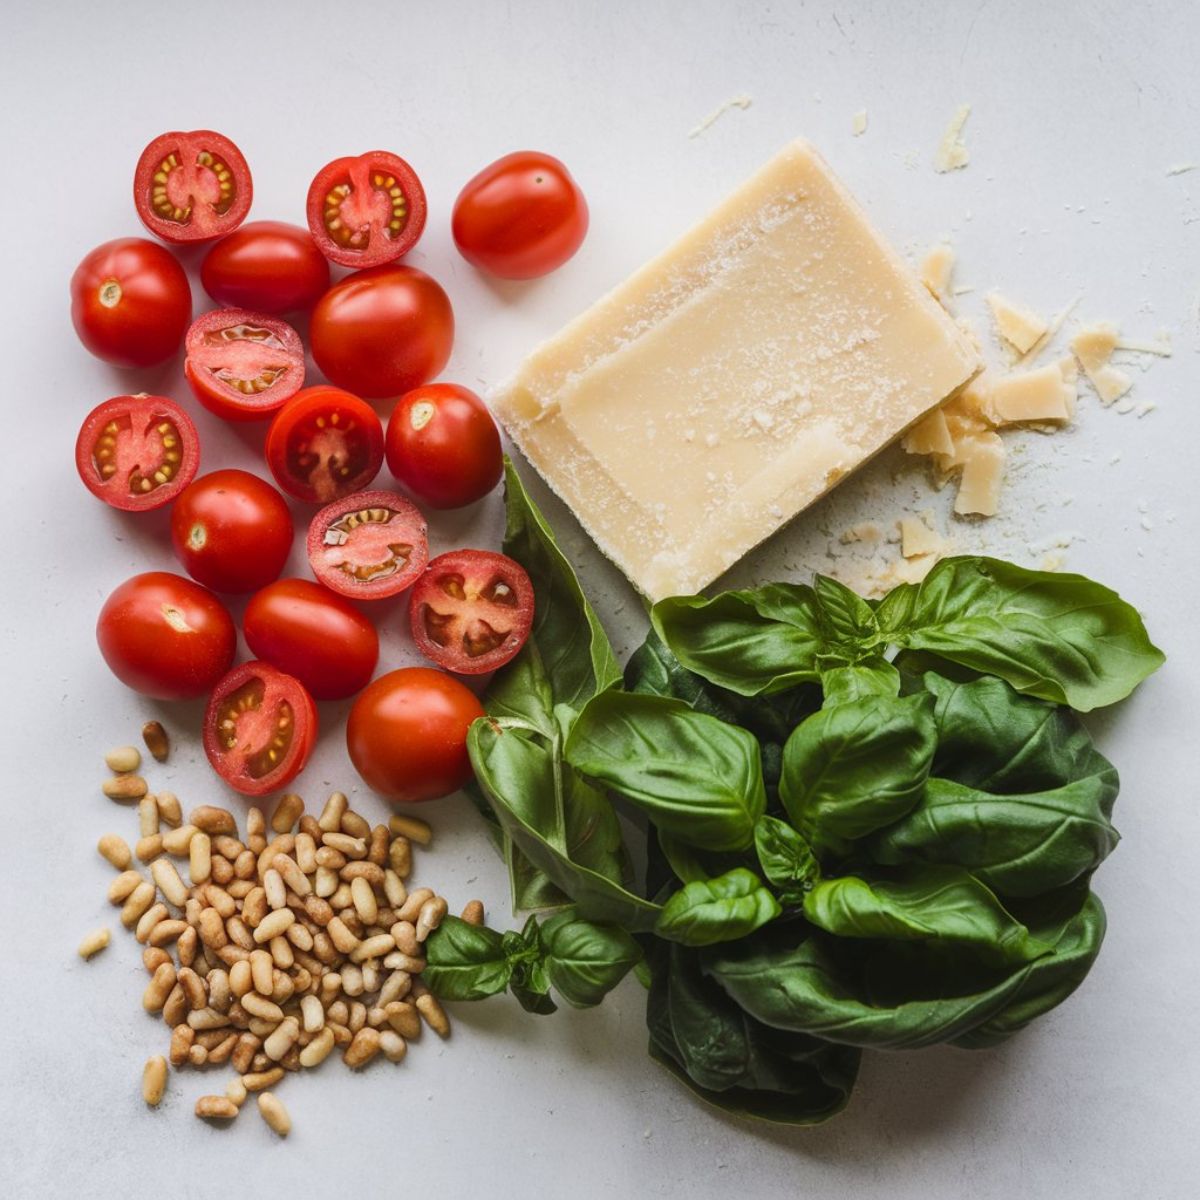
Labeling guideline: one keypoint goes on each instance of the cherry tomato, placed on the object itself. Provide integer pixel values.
(232, 531)
(259, 728)
(324, 444)
(307, 631)
(130, 303)
(383, 331)
(165, 636)
(266, 266)
(243, 366)
(471, 611)
(521, 217)
(367, 210)
(369, 545)
(192, 187)
(137, 452)
(407, 734)
(443, 445)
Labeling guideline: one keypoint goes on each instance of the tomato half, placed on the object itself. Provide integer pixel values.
(165, 636)
(471, 611)
(443, 445)
(130, 303)
(382, 332)
(243, 366)
(232, 531)
(192, 187)
(366, 210)
(137, 452)
(368, 546)
(259, 728)
(520, 217)
(407, 734)
(266, 266)
(307, 631)
(324, 444)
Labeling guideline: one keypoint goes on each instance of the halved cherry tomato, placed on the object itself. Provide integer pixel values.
(384, 331)
(192, 187)
(259, 728)
(266, 266)
(366, 210)
(243, 366)
(407, 734)
(471, 611)
(368, 546)
(130, 302)
(165, 636)
(137, 452)
(520, 217)
(232, 531)
(324, 444)
(443, 445)
(307, 631)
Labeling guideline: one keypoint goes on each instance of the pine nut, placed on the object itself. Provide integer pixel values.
(259, 1007)
(281, 953)
(331, 815)
(239, 934)
(393, 1045)
(405, 933)
(147, 816)
(138, 902)
(326, 882)
(235, 1091)
(254, 907)
(273, 886)
(199, 857)
(273, 924)
(340, 935)
(351, 847)
(186, 946)
(153, 957)
(176, 841)
(154, 1080)
(282, 1040)
(124, 787)
(364, 900)
(327, 856)
(164, 874)
(341, 899)
(403, 1018)
(116, 850)
(167, 931)
(275, 1115)
(430, 917)
(411, 908)
(292, 875)
(244, 1052)
(169, 810)
(94, 942)
(149, 847)
(197, 1056)
(434, 1014)
(313, 1014)
(400, 857)
(213, 820)
(221, 1052)
(155, 737)
(395, 987)
(222, 870)
(318, 1049)
(371, 872)
(245, 865)
(354, 824)
(261, 971)
(217, 897)
(207, 1018)
(227, 846)
(148, 920)
(157, 990)
(287, 812)
(399, 961)
(331, 983)
(363, 1048)
(175, 1010)
(394, 889)
(216, 1108)
(220, 994)
(123, 760)
(412, 828)
(377, 846)
(352, 980)
(299, 937)
(230, 954)
(182, 1037)
(472, 913)
(240, 978)
(193, 988)
(341, 1035)
(373, 947)
(239, 889)
(212, 929)
(306, 853)
(323, 949)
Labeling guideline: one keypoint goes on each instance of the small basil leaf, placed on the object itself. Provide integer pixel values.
(786, 858)
(465, 962)
(872, 677)
(585, 960)
(847, 620)
(683, 859)
(717, 910)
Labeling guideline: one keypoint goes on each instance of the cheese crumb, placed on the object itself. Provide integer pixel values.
(930, 435)
(741, 101)
(936, 270)
(1045, 394)
(982, 460)
(1018, 326)
(952, 151)
(1093, 346)
(867, 532)
(858, 124)
(918, 537)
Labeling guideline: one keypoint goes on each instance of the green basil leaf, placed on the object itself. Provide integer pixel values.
(694, 776)
(465, 962)
(731, 906)
(872, 677)
(1062, 637)
(924, 903)
(787, 859)
(585, 960)
(683, 859)
(532, 990)
(853, 768)
(847, 620)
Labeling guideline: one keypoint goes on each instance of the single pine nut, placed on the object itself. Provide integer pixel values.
(213, 820)
(239, 889)
(281, 953)
(318, 1049)
(159, 988)
(403, 1018)
(400, 857)
(430, 917)
(339, 933)
(176, 841)
(124, 787)
(287, 812)
(138, 902)
(394, 889)
(207, 1018)
(149, 847)
(199, 857)
(341, 1035)
(273, 886)
(273, 925)
(175, 1010)
(239, 934)
(313, 1014)
(364, 900)
(358, 1016)
(411, 908)
(399, 961)
(257, 1006)
(306, 853)
(212, 929)
(245, 865)
(164, 874)
(405, 933)
(472, 913)
(331, 815)
(341, 900)
(220, 1053)
(363, 1048)
(220, 995)
(377, 845)
(395, 987)
(275, 1115)
(354, 824)
(393, 1045)
(216, 1108)
(351, 847)
(94, 943)
(222, 870)
(299, 936)
(229, 954)
(227, 846)
(155, 737)
(167, 931)
(262, 971)
(373, 947)
(352, 981)
(153, 957)
(194, 988)
(186, 946)
(241, 978)
(326, 882)
(235, 1091)
(254, 907)
(434, 1014)
(292, 875)
(123, 760)
(283, 1039)
(154, 1079)
(327, 856)
(244, 1052)
(412, 828)
(197, 1055)
(218, 898)
(116, 850)
(169, 811)
(148, 815)
(182, 1037)
(148, 920)
(370, 974)
(371, 872)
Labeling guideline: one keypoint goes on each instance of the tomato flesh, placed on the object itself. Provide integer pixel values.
(243, 366)
(192, 187)
(259, 728)
(369, 545)
(472, 610)
(266, 266)
(137, 453)
(366, 210)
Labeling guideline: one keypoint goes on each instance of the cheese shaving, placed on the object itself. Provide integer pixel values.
(936, 269)
(858, 123)
(952, 152)
(1018, 326)
(1094, 346)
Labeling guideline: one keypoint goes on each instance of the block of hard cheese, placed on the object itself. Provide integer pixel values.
(734, 379)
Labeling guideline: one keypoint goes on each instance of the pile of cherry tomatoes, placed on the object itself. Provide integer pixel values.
(384, 331)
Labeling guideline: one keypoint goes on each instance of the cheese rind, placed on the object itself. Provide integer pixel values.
(734, 379)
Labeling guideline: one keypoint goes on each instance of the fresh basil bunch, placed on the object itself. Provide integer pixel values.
(868, 824)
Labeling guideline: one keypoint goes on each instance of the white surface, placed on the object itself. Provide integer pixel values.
(1078, 113)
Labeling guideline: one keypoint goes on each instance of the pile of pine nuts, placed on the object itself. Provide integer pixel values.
(276, 949)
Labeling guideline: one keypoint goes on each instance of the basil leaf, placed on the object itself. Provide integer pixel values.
(585, 960)
(1062, 637)
(696, 777)
(731, 906)
(873, 677)
(846, 619)
(855, 767)
(465, 962)
(923, 903)
(787, 859)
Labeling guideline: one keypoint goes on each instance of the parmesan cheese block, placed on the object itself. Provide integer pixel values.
(734, 379)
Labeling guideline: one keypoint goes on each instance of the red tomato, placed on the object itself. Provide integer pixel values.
(137, 452)
(267, 266)
(130, 303)
(324, 444)
(259, 728)
(165, 636)
(192, 187)
(367, 210)
(232, 531)
(521, 217)
(471, 611)
(369, 545)
(383, 331)
(307, 631)
(443, 445)
(407, 734)
(243, 366)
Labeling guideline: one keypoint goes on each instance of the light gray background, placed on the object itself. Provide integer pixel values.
(1079, 111)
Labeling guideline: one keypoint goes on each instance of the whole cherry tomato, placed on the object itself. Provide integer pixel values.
(266, 266)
